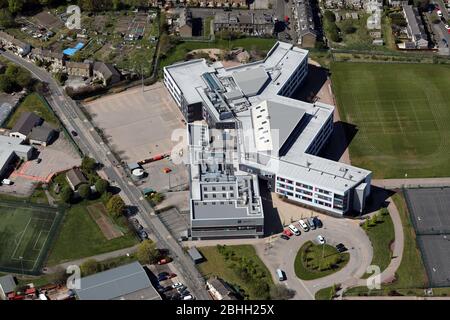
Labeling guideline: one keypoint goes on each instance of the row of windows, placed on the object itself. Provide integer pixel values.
(326, 204)
(224, 188)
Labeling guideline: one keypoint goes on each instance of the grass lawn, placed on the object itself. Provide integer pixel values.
(381, 236)
(317, 261)
(401, 112)
(33, 103)
(216, 265)
(325, 293)
(179, 52)
(411, 275)
(81, 237)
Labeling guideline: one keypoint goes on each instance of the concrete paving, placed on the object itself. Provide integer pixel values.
(138, 124)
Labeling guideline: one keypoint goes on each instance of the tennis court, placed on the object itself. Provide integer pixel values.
(431, 219)
(26, 233)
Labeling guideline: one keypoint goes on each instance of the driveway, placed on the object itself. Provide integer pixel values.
(281, 254)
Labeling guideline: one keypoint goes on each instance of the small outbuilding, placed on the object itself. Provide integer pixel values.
(195, 255)
(75, 178)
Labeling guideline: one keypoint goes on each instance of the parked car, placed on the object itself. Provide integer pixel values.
(303, 225)
(164, 273)
(288, 232)
(188, 297)
(172, 275)
(181, 289)
(281, 275)
(74, 133)
(341, 247)
(177, 285)
(294, 230)
(164, 261)
(285, 237)
(447, 27)
(143, 234)
(162, 277)
(318, 222)
(38, 160)
(320, 239)
(311, 223)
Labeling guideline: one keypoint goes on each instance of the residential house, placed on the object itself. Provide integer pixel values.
(106, 72)
(55, 59)
(24, 125)
(415, 28)
(249, 23)
(303, 14)
(7, 286)
(127, 282)
(81, 69)
(398, 3)
(354, 4)
(219, 289)
(15, 45)
(42, 135)
(184, 24)
(75, 178)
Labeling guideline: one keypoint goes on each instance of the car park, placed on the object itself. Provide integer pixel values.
(303, 225)
(320, 239)
(318, 223)
(285, 237)
(294, 229)
(311, 223)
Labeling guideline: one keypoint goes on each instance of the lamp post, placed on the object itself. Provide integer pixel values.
(21, 262)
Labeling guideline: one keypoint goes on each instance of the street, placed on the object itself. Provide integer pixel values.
(91, 144)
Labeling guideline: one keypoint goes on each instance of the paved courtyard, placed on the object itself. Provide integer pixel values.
(138, 124)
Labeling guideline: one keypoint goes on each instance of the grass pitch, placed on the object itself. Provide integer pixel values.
(25, 234)
(402, 113)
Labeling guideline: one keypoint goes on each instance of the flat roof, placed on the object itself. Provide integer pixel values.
(251, 81)
(127, 282)
(9, 145)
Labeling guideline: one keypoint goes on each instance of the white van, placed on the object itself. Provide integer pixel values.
(280, 275)
(303, 225)
(7, 182)
(188, 297)
(294, 230)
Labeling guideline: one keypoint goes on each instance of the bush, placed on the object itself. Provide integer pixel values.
(101, 186)
(329, 16)
(147, 252)
(66, 194)
(115, 206)
(84, 191)
(89, 267)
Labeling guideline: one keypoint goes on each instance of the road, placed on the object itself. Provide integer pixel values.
(411, 183)
(91, 144)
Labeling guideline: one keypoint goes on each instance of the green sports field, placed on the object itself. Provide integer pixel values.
(25, 235)
(402, 114)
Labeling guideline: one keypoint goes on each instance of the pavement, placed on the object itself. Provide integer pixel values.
(91, 144)
(411, 183)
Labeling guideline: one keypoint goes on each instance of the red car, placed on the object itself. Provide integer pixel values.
(288, 232)
(164, 261)
(172, 275)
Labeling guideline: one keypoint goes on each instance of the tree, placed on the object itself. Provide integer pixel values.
(6, 85)
(115, 206)
(6, 19)
(84, 191)
(147, 252)
(66, 194)
(15, 6)
(88, 164)
(374, 220)
(101, 186)
(279, 292)
(88, 267)
(329, 16)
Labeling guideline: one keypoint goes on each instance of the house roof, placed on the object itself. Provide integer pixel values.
(222, 287)
(42, 133)
(127, 282)
(26, 122)
(106, 69)
(79, 65)
(76, 177)
(7, 283)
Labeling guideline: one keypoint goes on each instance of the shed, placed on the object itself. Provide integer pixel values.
(7, 285)
(75, 178)
(195, 255)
